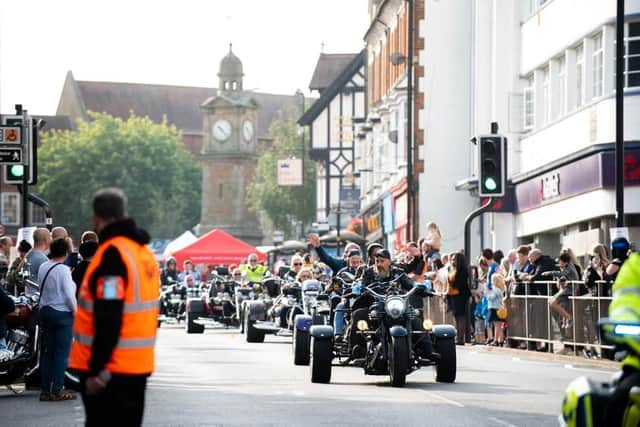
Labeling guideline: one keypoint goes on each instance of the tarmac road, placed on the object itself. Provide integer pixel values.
(219, 379)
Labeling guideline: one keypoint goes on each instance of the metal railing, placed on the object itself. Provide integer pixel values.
(531, 319)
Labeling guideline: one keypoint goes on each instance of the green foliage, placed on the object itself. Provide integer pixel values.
(284, 205)
(145, 159)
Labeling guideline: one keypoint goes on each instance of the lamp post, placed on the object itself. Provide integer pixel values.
(619, 162)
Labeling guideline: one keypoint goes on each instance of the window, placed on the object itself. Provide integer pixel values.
(632, 59)
(598, 66)
(528, 105)
(10, 209)
(546, 110)
(38, 216)
(562, 84)
(579, 75)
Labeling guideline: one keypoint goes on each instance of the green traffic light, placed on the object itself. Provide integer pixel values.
(17, 170)
(490, 184)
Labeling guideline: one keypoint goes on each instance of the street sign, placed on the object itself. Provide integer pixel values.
(10, 135)
(10, 155)
(290, 172)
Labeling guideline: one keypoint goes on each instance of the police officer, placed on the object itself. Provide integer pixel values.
(115, 326)
(253, 272)
(625, 308)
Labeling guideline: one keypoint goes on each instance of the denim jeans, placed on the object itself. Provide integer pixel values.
(3, 333)
(56, 343)
(338, 320)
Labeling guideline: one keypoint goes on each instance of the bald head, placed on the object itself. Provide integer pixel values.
(534, 254)
(59, 233)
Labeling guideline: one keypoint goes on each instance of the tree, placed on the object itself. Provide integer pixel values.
(145, 159)
(284, 205)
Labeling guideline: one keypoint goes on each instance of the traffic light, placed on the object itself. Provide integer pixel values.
(492, 166)
(13, 173)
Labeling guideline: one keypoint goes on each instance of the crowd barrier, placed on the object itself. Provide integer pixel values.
(531, 319)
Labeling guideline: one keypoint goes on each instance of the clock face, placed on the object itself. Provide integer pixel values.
(247, 130)
(221, 130)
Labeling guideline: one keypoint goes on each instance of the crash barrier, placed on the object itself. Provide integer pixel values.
(532, 322)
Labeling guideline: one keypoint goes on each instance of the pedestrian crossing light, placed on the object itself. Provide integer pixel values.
(492, 166)
(14, 174)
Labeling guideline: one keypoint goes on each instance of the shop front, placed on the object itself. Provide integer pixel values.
(573, 205)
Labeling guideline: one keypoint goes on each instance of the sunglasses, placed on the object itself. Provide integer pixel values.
(253, 260)
(297, 263)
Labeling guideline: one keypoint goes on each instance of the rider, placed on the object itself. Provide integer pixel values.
(169, 272)
(625, 307)
(354, 267)
(295, 267)
(383, 272)
(253, 272)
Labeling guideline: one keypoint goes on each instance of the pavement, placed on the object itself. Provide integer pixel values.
(219, 379)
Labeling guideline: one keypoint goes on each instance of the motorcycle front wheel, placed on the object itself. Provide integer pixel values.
(398, 361)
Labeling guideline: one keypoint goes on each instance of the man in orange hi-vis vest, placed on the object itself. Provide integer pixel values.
(115, 326)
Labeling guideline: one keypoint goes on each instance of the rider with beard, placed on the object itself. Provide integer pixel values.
(383, 272)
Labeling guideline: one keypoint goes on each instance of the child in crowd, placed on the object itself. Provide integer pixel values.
(494, 301)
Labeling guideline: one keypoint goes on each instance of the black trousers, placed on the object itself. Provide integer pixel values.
(121, 403)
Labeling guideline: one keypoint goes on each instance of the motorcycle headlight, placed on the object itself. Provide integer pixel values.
(395, 307)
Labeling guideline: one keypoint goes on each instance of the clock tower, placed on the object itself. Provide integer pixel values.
(229, 155)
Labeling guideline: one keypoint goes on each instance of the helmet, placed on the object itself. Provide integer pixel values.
(171, 260)
(620, 248)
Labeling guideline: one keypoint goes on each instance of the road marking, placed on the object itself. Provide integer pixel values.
(442, 399)
(577, 368)
(501, 422)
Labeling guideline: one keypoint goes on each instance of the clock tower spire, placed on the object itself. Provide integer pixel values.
(229, 155)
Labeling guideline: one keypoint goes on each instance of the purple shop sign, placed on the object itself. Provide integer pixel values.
(584, 175)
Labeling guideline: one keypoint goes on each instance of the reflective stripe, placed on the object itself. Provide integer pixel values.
(626, 291)
(133, 307)
(619, 311)
(123, 343)
(133, 265)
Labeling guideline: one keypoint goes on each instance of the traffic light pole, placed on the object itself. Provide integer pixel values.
(26, 134)
(467, 226)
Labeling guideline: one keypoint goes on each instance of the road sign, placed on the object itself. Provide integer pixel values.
(10, 134)
(10, 155)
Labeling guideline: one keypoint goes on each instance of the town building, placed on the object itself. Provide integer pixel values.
(226, 128)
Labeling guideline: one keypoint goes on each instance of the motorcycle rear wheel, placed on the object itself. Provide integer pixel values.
(321, 361)
(253, 334)
(445, 369)
(301, 347)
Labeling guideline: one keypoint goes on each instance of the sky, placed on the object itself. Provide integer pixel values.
(167, 42)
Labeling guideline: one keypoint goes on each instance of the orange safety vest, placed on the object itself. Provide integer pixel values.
(133, 354)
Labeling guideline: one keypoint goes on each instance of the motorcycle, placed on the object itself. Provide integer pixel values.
(586, 402)
(173, 303)
(21, 363)
(393, 345)
(315, 311)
